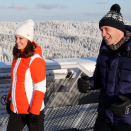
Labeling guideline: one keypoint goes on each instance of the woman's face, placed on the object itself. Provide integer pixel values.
(21, 41)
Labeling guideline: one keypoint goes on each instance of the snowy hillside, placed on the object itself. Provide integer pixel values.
(58, 39)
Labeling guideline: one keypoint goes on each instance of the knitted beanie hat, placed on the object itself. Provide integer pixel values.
(26, 29)
(113, 18)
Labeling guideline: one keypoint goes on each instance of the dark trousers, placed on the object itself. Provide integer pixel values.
(18, 121)
(101, 125)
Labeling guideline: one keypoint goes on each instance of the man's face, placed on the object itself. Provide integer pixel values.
(111, 35)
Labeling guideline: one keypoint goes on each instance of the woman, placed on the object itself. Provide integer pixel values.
(28, 84)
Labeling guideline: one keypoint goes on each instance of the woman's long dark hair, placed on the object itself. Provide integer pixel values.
(28, 51)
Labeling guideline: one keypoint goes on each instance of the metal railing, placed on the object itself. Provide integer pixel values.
(66, 108)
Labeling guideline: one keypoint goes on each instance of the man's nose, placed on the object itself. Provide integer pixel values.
(103, 33)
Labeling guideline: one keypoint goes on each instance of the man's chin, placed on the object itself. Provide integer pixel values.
(107, 43)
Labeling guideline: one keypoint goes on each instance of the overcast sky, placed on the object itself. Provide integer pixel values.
(64, 10)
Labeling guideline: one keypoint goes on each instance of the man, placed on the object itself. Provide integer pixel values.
(112, 74)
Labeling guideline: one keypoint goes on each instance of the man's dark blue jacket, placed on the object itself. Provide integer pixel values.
(113, 76)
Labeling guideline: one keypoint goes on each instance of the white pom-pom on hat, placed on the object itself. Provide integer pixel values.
(26, 29)
(30, 22)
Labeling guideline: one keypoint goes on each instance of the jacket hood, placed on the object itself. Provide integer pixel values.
(38, 49)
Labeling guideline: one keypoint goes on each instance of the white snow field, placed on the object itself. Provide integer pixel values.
(58, 39)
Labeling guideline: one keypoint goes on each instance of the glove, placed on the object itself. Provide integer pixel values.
(8, 106)
(33, 120)
(121, 108)
(84, 84)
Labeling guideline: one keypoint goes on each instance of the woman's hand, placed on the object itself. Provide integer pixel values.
(33, 120)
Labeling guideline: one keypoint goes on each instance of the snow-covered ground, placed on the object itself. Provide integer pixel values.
(58, 39)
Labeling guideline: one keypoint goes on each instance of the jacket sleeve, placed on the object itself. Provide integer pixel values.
(9, 94)
(38, 74)
(95, 80)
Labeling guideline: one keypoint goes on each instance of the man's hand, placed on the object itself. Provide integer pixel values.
(33, 120)
(122, 108)
(84, 84)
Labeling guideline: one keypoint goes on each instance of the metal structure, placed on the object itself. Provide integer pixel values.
(66, 109)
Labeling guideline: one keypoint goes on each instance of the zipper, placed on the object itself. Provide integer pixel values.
(14, 85)
(118, 76)
(107, 70)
